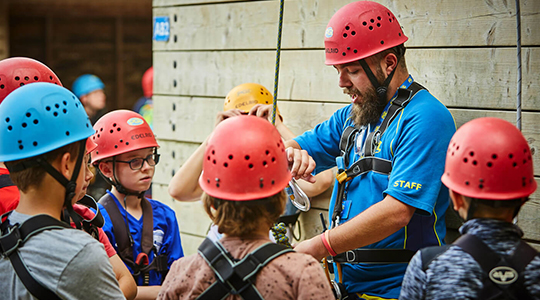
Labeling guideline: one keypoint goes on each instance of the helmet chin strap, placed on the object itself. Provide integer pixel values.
(70, 185)
(118, 185)
(381, 89)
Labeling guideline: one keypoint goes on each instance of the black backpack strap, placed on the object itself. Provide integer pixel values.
(428, 254)
(13, 237)
(5, 181)
(124, 240)
(502, 277)
(236, 277)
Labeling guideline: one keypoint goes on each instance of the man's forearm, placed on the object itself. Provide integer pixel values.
(293, 144)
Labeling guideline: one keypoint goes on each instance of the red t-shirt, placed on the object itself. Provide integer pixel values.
(9, 199)
(9, 196)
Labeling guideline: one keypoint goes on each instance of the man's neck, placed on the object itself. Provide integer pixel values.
(398, 79)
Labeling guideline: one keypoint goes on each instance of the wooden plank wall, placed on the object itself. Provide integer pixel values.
(464, 51)
(111, 39)
(4, 30)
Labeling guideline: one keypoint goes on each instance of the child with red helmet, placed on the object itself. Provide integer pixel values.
(144, 232)
(489, 171)
(243, 180)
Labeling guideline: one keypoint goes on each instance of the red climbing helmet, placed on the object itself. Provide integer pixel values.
(18, 71)
(488, 158)
(121, 131)
(247, 166)
(359, 30)
(148, 82)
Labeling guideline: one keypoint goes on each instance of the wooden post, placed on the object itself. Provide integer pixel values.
(119, 70)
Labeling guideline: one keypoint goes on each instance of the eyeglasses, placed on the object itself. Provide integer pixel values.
(137, 163)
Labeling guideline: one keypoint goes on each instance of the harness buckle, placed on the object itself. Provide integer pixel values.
(375, 141)
(350, 256)
(10, 241)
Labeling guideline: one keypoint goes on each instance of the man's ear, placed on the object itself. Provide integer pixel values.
(106, 168)
(65, 166)
(389, 63)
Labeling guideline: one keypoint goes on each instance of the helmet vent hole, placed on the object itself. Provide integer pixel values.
(10, 128)
(347, 27)
(36, 78)
(118, 129)
(267, 152)
(55, 114)
(2, 86)
(467, 183)
(28, 114)
(399, 34)
(489, 164)
(114, 125)
(34, 143)
(355, 51)
(379, 18)
(19, 141)
(273, 181)
(26, 78)
(47, 108)
(372, 21)
(481, 186)
(378, 24)
(474, 162)
(21, 147)
(208, 157)
(230, 156)
(111, 131)
(208, 180)
(64, 102)
(524, 161)
(115, 146)
(514, 164)
(471, 153)
(24, 125)
(214, 161)
(344, 35)
(382, 42)
(127, 143)
(225, 165)
(64, 111)
(525, 150)
(36, 121)
(17, 78)
(217, 184)
(510, 155)
(246, 157)
(7, 120)
(99, 135)
(457, 148)
(101, 129)
(364, 23)
(57, 105)
(50, 77)
(121, 141)
(213, 152)
(261, 185)
(452, 153)
(265, 163)
(465, 160)
(494, 156)
(250, 166)
(22, 83)
(370, 27)
(353, 32)
(389, 20)
(273, 159)
(344, 54)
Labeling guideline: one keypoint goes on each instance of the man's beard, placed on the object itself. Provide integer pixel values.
(370, 108)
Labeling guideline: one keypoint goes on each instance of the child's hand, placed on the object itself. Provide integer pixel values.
(222, 115)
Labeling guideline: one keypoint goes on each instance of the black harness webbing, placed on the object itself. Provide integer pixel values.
(140, 265)
(369, 162)
(503, 274)
(236, 277)
(13, 237)
(373, 256)
(5, 181)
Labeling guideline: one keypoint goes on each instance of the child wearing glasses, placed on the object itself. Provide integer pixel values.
(144, 232)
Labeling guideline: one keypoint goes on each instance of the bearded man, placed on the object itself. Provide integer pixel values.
(389, 146)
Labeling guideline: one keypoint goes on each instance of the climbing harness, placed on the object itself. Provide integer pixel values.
(503, 274)
(233, 276)
(140, 265)
(15, 236)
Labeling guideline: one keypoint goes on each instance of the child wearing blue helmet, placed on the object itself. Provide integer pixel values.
(43, 130)
(90, 90)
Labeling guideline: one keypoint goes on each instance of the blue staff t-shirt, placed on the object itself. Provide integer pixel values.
(416, 143)
(166, 237)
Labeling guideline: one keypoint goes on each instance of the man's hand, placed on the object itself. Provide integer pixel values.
(301, 164)
(313, 247)
(222, 115)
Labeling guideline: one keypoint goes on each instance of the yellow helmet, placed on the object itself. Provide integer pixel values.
(247, 95)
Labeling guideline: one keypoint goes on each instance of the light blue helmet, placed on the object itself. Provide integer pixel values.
(85, 84)
(38, 118)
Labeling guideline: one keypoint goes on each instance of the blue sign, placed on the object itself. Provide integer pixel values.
(161, 29)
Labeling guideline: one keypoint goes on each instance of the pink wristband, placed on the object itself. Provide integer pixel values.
(327, 244)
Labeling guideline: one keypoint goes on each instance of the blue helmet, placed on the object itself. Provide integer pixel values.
(85, 84)
(38, 118)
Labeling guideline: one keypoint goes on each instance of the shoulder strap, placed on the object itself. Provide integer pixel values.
(503, 277)
(5, 181)
(430, 253)
(234, 277)
(13, 237)
(120, 230)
